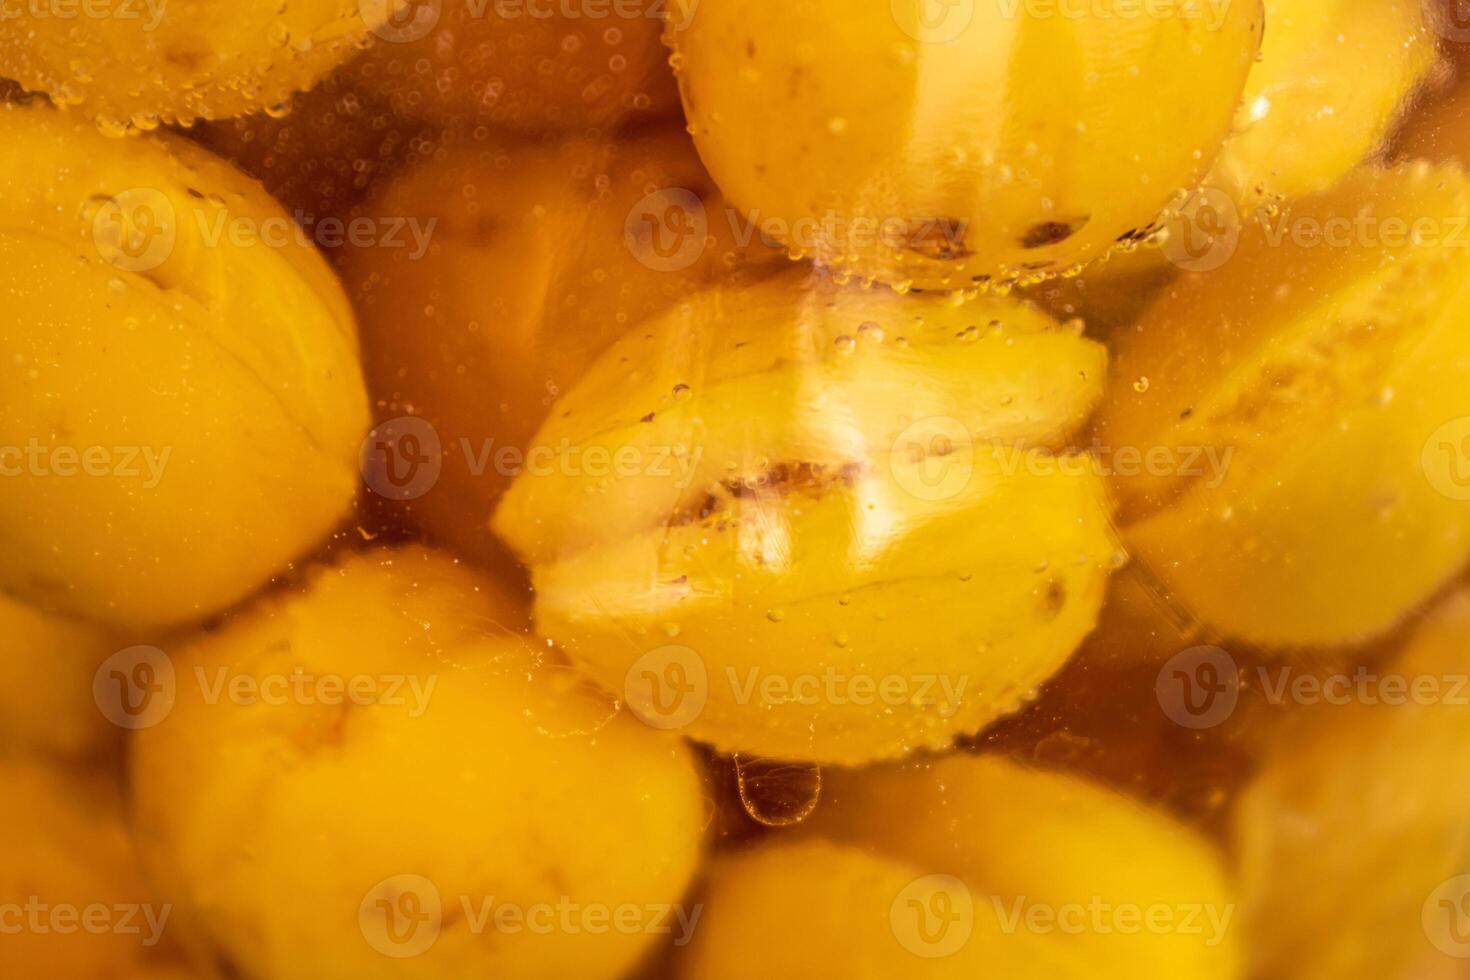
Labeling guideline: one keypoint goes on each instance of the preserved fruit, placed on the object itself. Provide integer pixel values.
(534, 259)
(73, 895)
(183, 405)
(1333, 76)
(134, 65)
(763, 489)
(46, 701)
(476, 767)
(987, 144)
(1319, 375)
(973, 866)
(1354, 830)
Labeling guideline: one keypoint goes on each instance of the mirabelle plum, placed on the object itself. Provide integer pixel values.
(72, 894)
(1320, 369)
(138, 64)
(1333, 76)
(183, 405)
(773, 485)
(971, 866)
(47, 665)
(989, 143)
(1332, 79)
(541, 255)
(1353, 833)
(399, 757)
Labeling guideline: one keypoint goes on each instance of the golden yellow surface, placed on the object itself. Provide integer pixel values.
(1332, 78)
(1321, 367)
(1353, 834)
(539, 258)
(774, 483)
(491, 771)
(527, 64)
(46, 701)
(935, 489)
(972, 866)
(182, 402)
(982, 144)
(812, 908)
(155, 61)
(72, 900)
(1333, 75)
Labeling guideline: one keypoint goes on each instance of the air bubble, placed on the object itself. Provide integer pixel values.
(778, 794)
